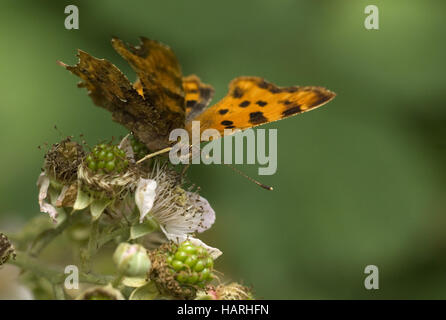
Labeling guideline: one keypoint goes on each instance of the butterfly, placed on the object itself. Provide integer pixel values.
(162, 99)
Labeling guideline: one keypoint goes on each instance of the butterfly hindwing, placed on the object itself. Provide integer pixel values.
(197, 96)
(252, 101)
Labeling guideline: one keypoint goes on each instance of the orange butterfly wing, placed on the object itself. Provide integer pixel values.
(197, 96)
(252, 101)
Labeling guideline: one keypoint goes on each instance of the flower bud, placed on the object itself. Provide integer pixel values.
(101, 293)
(132, 259)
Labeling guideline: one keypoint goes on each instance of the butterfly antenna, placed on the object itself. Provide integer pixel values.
(264, 186)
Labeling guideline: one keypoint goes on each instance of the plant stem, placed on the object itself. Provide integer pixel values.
(43, 239)
(92, 246)
(53, 275)
(59, 293)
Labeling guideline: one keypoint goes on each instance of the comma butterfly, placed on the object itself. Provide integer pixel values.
(162, 99)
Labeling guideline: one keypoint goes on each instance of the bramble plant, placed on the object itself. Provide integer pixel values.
(137, 220)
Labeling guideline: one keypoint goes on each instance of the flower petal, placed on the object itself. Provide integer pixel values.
(61, 196)
(43, 183)
(208, 215)
(145, 196)
(126, 146)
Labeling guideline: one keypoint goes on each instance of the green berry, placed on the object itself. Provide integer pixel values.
(92, 165)
(106, 158)
(110, 156)
(186, 243)
(177, 265)
(139, 149)
(205, 274)
(102, 155)
(110, 166)
(180, 255)
(193, 278)
(182, 277)
(101, 164)
(191, 264)
(199, 266)
(191, 261)
(190, 249)
(209, 262)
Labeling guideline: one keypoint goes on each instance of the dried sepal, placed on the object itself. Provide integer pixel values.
(7, 250)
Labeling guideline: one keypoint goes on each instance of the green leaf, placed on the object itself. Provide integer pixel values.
(83, 200)
(141, 229)
(98, 206)
(147, 292)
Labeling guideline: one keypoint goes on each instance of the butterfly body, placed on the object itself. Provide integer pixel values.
(162, 99)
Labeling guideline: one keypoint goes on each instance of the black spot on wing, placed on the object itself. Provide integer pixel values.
(244, 104)
(191, 103)
(261, 103)
(223, 111)
(268, 86)
(237, 93)
(227, 123)
(257, 117)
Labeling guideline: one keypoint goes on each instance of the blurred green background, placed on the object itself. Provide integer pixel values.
(360, 181)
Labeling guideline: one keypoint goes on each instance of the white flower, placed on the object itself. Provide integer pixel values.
(145, 196)
(179, 213)
(43, 183)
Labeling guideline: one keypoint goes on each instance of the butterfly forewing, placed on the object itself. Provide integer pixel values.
(252, 101)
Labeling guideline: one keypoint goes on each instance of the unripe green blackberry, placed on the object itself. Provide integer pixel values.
(139, 148)
(106, 158)
(191, 264)
(180, 270)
